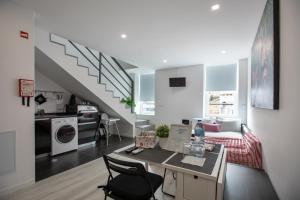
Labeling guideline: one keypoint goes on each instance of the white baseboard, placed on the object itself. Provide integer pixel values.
(11, 189)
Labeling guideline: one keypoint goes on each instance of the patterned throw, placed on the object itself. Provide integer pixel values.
(246, 151)
(147, 139)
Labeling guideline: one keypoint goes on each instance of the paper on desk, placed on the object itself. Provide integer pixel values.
(179, 134)
(192, 160)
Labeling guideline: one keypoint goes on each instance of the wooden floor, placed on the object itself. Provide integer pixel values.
(81, 183)
(45, 167)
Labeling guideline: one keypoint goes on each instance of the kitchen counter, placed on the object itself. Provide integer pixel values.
(47, 116)
(87, 127)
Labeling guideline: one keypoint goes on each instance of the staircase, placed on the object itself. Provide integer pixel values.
(89, 74)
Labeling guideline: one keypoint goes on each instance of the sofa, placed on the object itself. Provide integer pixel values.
(243, 147)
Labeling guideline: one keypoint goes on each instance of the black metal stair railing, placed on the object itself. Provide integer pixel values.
(107, 67)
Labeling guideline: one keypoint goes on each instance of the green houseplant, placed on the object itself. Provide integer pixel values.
(162, 132)
(128, 101)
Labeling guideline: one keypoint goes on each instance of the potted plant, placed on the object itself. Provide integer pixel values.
(162, 132)
(128, 101)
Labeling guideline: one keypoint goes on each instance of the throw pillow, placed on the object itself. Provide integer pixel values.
(211, 127)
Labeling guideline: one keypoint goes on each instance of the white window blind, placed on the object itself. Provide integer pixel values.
(147, 87)
(221, 78)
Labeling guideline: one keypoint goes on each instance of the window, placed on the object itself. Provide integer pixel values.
(221, 97)
(221, 103)
(145, 105)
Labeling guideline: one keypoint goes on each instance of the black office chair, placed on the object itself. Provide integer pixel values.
(133, 182)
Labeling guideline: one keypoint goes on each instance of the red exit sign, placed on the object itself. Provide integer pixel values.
(24, 34)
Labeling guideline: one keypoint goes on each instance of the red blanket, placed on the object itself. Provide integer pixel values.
(246, 151)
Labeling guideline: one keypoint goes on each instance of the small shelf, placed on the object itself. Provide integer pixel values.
(221, 104)
(49, 91)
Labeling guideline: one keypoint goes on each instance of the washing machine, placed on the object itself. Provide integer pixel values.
(64, 135)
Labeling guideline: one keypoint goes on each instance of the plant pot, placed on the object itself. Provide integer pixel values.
(163, 142)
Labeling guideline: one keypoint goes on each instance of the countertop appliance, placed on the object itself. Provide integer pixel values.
(88, 119)
(64, 135)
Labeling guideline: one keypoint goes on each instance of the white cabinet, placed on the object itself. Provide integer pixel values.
(199, 186)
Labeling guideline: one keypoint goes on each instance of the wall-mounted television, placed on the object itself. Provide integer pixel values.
(177, 82)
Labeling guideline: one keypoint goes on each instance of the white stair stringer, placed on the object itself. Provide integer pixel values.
(64, 69)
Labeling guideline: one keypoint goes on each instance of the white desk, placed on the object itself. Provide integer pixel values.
(192, 182)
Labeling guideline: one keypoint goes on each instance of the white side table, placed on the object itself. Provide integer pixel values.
(113, 121)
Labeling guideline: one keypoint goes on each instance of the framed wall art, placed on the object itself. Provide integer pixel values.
(265, 60)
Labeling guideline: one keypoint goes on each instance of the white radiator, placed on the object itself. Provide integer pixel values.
(7, 152)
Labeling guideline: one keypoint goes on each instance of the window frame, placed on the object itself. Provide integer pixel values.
(141, 103)
(138, 102)
(235, 104)
(206, 100)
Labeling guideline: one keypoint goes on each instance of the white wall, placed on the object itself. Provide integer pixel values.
(42, 82)
(174, 104)
(243, 88)
(279, 130)
(16, 61)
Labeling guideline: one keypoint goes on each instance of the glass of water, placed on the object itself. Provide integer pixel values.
(198, 149)
(187, 148)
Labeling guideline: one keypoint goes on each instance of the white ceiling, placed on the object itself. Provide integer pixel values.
(185, 32)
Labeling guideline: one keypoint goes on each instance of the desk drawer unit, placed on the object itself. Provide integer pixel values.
(201, 186)
(196, 188)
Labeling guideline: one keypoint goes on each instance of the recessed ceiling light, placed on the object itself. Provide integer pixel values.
(215, 7)
(123, 36)
(223, 52)
(165, 61)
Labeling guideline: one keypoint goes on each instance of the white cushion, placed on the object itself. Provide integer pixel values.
(227, 134)
(230, 124)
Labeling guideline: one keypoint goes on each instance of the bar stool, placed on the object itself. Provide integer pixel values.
(106, 122)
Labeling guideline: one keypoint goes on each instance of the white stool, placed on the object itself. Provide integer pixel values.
(107, 122)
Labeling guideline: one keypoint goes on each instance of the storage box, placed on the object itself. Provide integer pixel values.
(147, 139)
